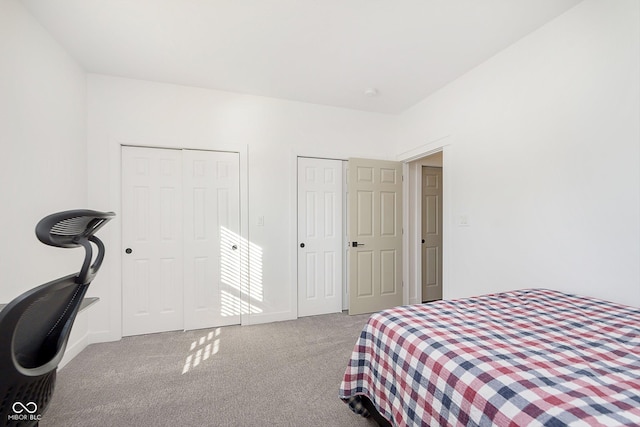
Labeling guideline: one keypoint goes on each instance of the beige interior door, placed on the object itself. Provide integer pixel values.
(212, 244)
(320, 237)
(375, 235)
(152, 238)
(431, 233)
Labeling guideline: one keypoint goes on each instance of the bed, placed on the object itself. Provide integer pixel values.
(533, 357)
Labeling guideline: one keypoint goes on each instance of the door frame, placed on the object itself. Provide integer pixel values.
(412, 214)
(412, 290)
(113, 273)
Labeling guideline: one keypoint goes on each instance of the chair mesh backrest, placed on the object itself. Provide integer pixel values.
(40, 333)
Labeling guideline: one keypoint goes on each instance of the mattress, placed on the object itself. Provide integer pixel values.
(533, 357)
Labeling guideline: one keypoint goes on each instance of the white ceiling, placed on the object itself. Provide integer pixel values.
(318, 51)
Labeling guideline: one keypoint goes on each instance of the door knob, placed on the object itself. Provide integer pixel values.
(234, 247)
(356, 244)
(422, 240)
(128, 250)
(302, 245)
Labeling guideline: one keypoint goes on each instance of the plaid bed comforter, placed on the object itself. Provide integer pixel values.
(524, 358)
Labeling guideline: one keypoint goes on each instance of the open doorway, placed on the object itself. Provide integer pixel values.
(431, 230)
(425, 231)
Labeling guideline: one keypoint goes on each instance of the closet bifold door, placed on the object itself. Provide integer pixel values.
(152, 264)
(212, 243)
(181, 255)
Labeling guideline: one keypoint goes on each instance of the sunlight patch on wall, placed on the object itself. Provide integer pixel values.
(241, 289)
(230, 304)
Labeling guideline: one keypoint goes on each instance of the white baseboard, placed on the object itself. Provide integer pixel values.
(103, 336)
(256, 319)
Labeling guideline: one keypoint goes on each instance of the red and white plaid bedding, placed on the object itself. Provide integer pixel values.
(524, 358)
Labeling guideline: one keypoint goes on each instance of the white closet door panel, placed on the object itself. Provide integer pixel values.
(320, 241)
(152, 240)
(212, 243)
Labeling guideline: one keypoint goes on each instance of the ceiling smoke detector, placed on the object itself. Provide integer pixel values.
(371, 92)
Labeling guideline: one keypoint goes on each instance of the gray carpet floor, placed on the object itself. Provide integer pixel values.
(278, 374)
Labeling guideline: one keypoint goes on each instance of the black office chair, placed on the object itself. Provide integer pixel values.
(35, 326)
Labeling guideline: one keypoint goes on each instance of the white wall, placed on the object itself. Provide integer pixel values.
(543, 155)
(272, 132)
(44, 164)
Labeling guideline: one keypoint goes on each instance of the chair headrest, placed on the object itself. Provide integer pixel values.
(67, 229)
